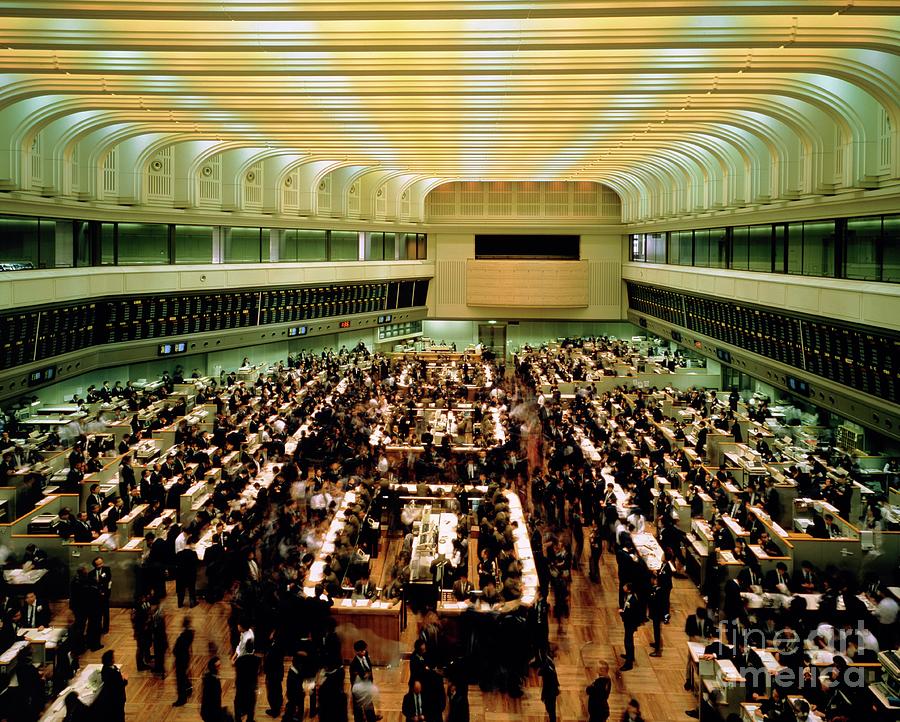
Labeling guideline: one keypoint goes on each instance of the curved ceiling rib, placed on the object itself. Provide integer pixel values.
(680, 107)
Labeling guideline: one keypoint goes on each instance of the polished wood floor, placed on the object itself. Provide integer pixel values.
(592, 633)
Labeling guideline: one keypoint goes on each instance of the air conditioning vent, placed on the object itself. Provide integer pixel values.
(156, 165)
(289, 181)
(251, 176)
(206, 171)
(322, 185)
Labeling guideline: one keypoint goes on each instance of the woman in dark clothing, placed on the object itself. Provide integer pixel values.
(211, 699)
(598, 695)
(110, 702)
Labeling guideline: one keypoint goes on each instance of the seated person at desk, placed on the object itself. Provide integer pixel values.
(768, 546)
(833, 530)
(35, 557)
(81, 529)
(116, 512)
(462, 587)
(738, 510)
(35, 614)
(364, 588)
(74, 478)
(699, 626)
(750, 576)
(65, 524)
(740, 552)
(778, 580)
(818, 529)
(806, 579)
(490, 595)
(94, 520)
(95, 497)
(721, 536)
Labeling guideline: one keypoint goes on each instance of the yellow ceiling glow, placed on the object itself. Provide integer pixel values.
(478, 89)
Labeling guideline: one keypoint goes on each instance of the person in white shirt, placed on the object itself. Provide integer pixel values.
(886, 610)
(383, 465)
(636, 519)
(246, 637)
(181, 541)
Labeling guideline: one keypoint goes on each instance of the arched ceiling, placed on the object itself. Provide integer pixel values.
(677, 105)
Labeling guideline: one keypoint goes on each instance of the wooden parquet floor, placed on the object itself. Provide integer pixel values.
(592, 633)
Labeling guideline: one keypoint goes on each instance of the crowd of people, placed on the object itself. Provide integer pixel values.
(302, 435)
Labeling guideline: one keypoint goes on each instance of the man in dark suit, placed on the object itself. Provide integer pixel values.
(750, 576)
(632, 617)
(364, 588)
(246, 680)
(733, 605)
(295, 708)
(361, 665)
(95, 497)
(34, 612)
(110, 702)
(186, 564)
(699, 626)
(806, 580)
(462, 587)
(126, 481)
(656, 608)
(413, 706)
(101, 577)
(116, 512)
(154, 565)
(549, 688)
(273, 667)
(181, 653)
(213, 558)
(778, 580)
(81, 529)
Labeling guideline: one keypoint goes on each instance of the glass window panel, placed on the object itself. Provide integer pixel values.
(390, 245)
(312, 245)
(107, 244)
(638, 247)
(701, 248)
(407, 246)
(718, 247)
(421, 246)
(780, 233)
(143, 243)
(193, 244)
(344, 246)
(683, 248)
(760, 248)
(795, 248)
(52, 231)
(287, 245)
(861, 256)
(19, 240)
(891, 246)
(740, 248)
(242, 245)
(374, 246)
(83, 246)
(656, 247)
(818, 248)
